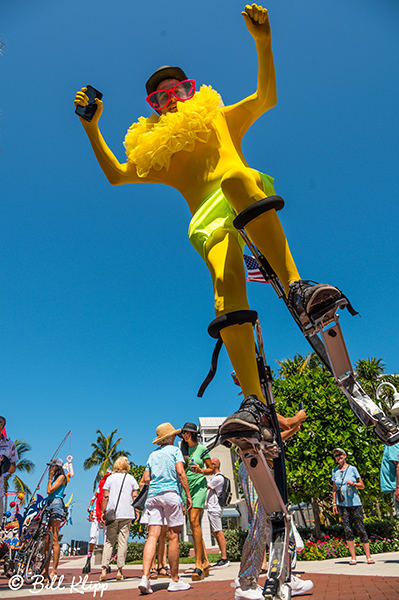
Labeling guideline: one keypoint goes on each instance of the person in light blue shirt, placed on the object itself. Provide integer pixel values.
(389, 474)
(164, 474)
(346, 501)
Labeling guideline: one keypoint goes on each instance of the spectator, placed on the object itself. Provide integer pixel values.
(199, 465)
(8, 450)
(95, 512)
(215, 486)
(389, 474)
(164, 506)
(56, 485)
(160, 556)
(120, 490)
(346, 501)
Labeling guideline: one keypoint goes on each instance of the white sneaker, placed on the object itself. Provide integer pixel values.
(300, 587)
(145, 586)
(254, 593)
(178, 586)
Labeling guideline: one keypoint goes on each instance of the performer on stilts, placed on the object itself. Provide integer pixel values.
(193, 143)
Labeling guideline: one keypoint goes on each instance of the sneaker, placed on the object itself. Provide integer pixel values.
(145, 586)
(254, 592)
(299, 586)
(252, 415)
(222, 562)
(178, 586)
(309, 297)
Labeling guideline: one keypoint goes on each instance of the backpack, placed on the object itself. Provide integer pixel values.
(224, 498)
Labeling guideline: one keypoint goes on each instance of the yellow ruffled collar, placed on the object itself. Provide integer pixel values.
(151, 142)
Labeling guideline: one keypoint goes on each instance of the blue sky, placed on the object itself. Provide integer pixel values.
(104, 303)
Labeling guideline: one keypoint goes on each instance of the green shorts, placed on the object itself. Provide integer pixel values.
(215, 212)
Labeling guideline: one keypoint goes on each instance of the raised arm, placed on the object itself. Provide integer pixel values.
(240, 116)
(115, 172)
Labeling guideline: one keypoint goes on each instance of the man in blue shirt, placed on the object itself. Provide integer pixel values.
(389, 474)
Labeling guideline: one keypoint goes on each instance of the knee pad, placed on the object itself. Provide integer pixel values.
(238, 317)
(258, 208)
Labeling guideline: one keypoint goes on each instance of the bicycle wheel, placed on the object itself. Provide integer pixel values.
(38, 556)
(8, 567)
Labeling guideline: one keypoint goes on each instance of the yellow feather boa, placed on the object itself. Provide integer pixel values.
(151, 142)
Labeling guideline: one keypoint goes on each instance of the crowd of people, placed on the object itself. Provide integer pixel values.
(183, 480)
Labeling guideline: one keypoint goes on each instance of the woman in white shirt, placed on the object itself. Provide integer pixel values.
(120, 490)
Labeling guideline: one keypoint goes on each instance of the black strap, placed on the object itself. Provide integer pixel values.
(238, 317)
(212, 370)
(120, 491)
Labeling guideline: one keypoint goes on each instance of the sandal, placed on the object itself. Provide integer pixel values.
(206, 571)
(370, 561)
(120, 577)
(197, 575)
(189, 571)
(352, 562)
(153, 573)
(165, 570)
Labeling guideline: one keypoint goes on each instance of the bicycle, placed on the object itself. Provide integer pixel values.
(30, 556)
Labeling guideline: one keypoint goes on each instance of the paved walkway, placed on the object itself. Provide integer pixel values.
(333, 580)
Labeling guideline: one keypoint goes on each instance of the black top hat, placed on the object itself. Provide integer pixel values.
(165, 72)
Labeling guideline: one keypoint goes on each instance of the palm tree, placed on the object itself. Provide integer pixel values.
(23, 465)
(293, 366)
(104, 454)
(369, 371)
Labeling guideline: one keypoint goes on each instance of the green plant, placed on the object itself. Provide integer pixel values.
(135, 551)
(185, 548)
(235, 539)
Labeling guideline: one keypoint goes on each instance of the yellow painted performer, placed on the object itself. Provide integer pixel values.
(193, 143)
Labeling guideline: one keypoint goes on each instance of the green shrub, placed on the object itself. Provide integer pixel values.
(387, 528)
(235, 539)
(330, 547)
(185, 548)
(135, 551)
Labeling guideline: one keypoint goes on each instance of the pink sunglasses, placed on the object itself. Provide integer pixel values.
(184, 90)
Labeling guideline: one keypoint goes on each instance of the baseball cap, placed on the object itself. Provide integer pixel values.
(165, 72)
(57, 461)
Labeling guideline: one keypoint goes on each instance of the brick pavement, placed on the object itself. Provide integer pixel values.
(327, 587)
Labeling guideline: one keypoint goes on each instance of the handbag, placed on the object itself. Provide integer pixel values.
(139, 502)
(110, 515)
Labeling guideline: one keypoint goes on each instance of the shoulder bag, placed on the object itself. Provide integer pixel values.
(110, 515)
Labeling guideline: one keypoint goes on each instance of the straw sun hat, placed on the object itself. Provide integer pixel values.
(165, 430)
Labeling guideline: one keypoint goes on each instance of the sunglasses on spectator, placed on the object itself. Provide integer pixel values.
(184, 90)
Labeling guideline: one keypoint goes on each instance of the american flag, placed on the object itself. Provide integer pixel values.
(253, 272)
